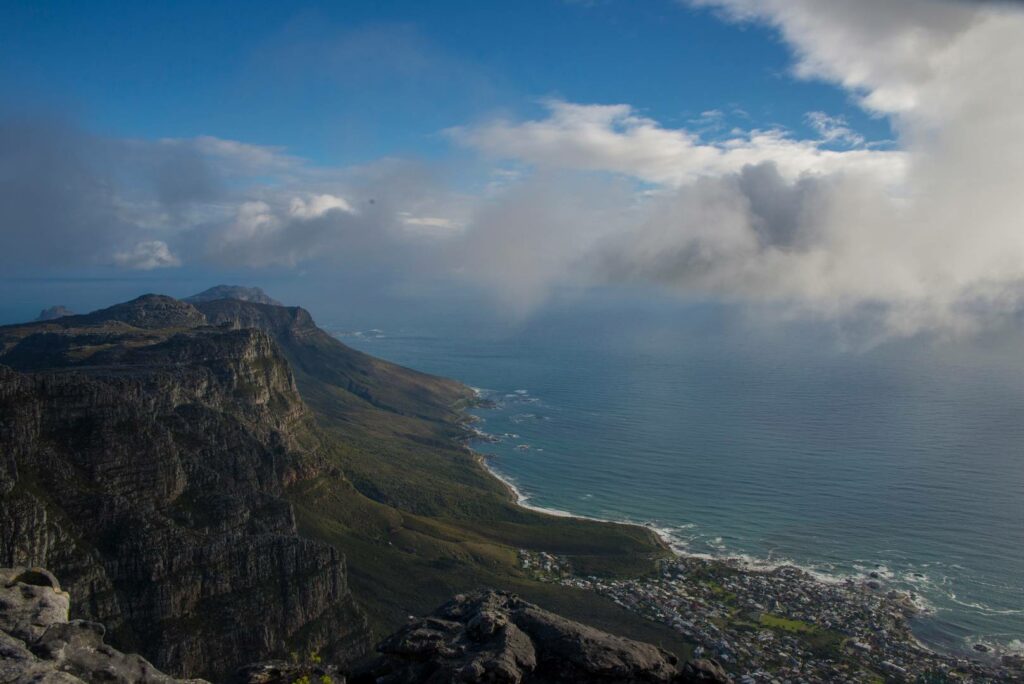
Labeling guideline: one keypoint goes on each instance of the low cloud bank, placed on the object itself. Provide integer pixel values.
(924, 234)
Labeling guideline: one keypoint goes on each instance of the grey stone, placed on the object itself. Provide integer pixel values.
(497, 637)
(39, 645)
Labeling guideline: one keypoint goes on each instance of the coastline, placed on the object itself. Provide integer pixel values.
(522, 499)
(527, 408)
(906, 655)
(908, 606)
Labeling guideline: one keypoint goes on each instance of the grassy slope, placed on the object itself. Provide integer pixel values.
(418, 517)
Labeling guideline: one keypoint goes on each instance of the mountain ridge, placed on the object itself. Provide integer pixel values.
(240, 292)
(231, 447)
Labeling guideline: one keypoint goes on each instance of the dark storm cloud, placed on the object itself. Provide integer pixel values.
(778, 208)
(56, 195)
(183, 176)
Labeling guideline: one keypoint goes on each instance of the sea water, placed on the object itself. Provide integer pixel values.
(904, 458)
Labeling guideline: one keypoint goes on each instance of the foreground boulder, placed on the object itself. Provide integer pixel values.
(497, 637)
(39, 644)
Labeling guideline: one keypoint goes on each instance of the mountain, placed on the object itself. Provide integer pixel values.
(145, 459)
(239, 292)
(220, 482)
(50, 313)
(351, 378)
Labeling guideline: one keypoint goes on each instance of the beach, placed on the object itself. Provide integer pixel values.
(777, 622)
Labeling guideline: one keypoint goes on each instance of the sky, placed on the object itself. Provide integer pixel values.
(855, 163)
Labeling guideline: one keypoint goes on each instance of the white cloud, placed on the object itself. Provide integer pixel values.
(318, 205)
(287, 230)
(430, 225)
(925, 235)
(242, 156)
(947, 248)
(834, 129)
(905, 57)
(614, 138)
(147, 255)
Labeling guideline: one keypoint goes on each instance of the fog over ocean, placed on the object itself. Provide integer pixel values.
(906, 459)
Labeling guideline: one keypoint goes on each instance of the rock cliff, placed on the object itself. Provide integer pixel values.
(320, 360)
(144, 458)
(194, 471)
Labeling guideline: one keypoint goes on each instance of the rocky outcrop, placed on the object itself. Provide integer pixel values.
(147, 466)
(485, 637)
(497, 637)
(39, 644)
(241, 293)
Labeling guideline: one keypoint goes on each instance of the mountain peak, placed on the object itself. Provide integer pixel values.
(150, 311)
(53, 312)
(240, 292)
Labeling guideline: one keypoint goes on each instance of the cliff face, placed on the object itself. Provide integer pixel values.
(192, 472)
(144, 459)
(322, 363)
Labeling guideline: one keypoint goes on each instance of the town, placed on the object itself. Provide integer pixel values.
(782, 624)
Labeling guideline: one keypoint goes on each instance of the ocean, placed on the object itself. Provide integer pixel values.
(770, 443)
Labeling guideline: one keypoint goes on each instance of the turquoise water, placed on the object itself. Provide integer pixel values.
(906, 459)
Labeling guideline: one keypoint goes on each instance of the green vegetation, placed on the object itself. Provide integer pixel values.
(825, 643)
(311, 662)
(378, 471)
(305, 679)
(786, 624)
(418, 517)
(717, 589)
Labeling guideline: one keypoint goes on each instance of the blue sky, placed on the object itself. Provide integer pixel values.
(858, 163)
(349, 82)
